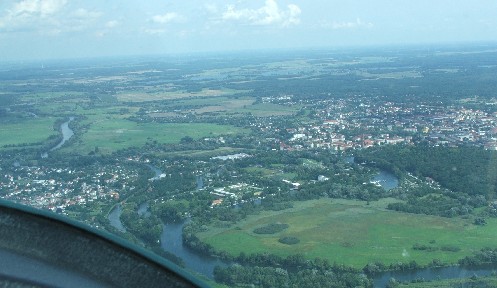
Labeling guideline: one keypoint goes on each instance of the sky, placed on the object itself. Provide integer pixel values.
(44, 29)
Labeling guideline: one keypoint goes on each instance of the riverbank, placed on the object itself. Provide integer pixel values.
(114, 218)
(434, 274)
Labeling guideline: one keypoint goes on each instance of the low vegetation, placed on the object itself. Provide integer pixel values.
(272, 228)
(289, 240)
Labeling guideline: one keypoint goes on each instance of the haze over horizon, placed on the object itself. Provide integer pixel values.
(44, 29)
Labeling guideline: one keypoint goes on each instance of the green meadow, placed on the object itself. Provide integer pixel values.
(268, 109)
(143, 96)
(354, 233)
(26, 131)
(110, 135)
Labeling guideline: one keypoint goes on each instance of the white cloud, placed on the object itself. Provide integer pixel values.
(112, 24)
(211, 8)
(154, 31)
(167, 18)
(269, 14)
(79, 20)
(108, 28)
(84, 14)
(358, 23)
(37, 7)
(29, 15)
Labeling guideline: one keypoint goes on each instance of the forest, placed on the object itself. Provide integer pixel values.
(294, 271)
(457, 179)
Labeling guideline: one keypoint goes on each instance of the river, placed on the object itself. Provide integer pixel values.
(200, 182)
(384, 178)
(114, 218)
(158, 173)
(143, 209)
(172, 235)
(67, 133)
(172, 241)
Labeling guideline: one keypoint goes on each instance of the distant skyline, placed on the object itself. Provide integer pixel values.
(44, 29)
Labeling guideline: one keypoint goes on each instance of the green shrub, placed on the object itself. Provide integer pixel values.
(289, 240)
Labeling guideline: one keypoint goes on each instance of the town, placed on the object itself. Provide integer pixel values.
(342, 125)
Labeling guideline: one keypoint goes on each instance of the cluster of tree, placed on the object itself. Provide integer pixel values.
(469, 170)
(171, 211)
(235, 276)
(147, 229)
(267, 270)
(193, 242)
(379, 267)
(468, 177)
(289, 240)
(437, 204)
(483, 257)
(431, 248)
(176, 182)
(480, 221)
(424, 247)
(340, 189)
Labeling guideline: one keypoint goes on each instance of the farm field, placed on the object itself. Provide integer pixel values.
(353, 233)
(142, 96)
(26, 131)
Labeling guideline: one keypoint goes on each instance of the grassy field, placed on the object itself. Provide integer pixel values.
(240, 105)
(114, 134)
(31, 130)
(354, 233)
(204, 153)
(268, 109)
(270, 173)
(141, 96)
(389, 75)
(42, 97)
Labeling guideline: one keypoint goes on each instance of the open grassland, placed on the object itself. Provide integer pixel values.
(25, 131)
(226, 106)
(95, 114)
(276, 173)
(142, 96)
(354, 233)
(57, 108)
(241, 105)
(110, 135)
(389, 75)
(47, 96)
(204, 153)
